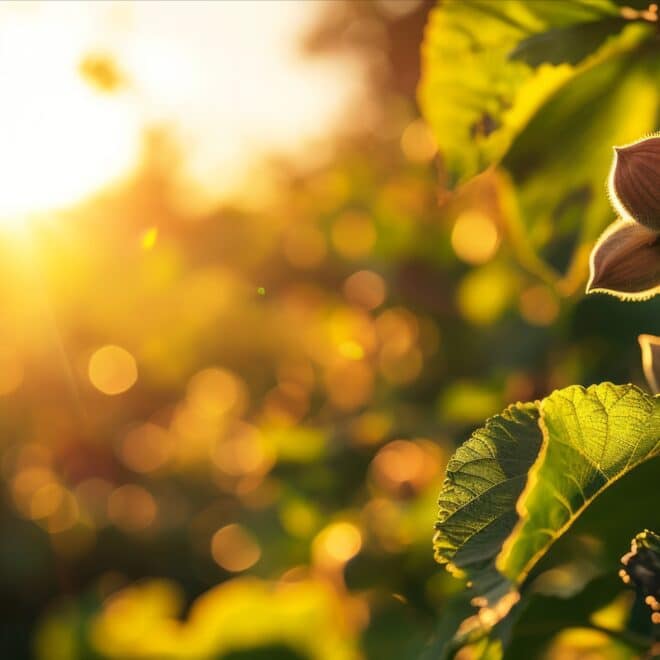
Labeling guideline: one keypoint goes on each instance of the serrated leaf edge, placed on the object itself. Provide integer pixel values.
(532, 480)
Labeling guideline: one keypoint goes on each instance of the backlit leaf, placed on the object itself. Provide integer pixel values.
(568, 44)
(520, 482)
(592, 437)
(476, 96)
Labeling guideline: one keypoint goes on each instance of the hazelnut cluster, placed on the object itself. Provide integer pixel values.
(626, 259)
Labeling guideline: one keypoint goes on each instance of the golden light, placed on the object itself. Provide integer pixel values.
(484, 293)
(132, 508)
(538, 305)
(336, 544)
(299, 518)
(215, 392)
(65, 516)
(234, 548)
(349, 384)
(353, 234)
(149, 237)
(81, 81)
(366, 289)
(351, 350)
(61, 139)
(243, 451)
(93, 494)
(402, 467)
(417, 142)
(46, 500)
(112, 370)
(286, 404)
(304, 246)
(475, 237)
(397, 330)
(11, 371)
(371, 427)
(400, 369)
(145, 448)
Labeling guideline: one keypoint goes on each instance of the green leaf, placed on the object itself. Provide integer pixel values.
(474, 96)
(592, 437)
(483, 482)
(567, 44)
(520, 482)
(592, 112)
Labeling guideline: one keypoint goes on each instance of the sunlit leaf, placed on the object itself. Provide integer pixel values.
(475, 96)
(592, 437)
(483, 482)
(591, 113)
(520, 482)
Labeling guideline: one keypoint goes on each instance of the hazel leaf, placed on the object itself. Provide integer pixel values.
(522, 481)
(480, 86)
(566, 44)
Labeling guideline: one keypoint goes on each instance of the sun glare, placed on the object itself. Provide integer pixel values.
(63, 137)
(60, 138)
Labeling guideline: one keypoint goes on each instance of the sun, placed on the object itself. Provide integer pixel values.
(60, 138)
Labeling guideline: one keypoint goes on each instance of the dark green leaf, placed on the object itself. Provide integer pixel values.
(520, 482)
(567, 44)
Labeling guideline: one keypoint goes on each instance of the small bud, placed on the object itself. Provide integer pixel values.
(626, 262)
(634, 181)
(650, 346)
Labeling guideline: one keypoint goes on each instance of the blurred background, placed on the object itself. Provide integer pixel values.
(242, 328)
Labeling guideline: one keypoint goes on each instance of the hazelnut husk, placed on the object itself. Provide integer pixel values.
(635, 181)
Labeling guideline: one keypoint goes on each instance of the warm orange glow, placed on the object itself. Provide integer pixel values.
(353, 234)
(234, 548)
(304, 246)
(351, 350)
(336, 544)
(538, 305)
(243, 452)
(112, 370)
(475, 237)
(418, 143)
(145, 448)
(349, 384)
(149, 238)
(76, 101)
(11, 371)
(371, 427)
(61, 139)
(132, 508)
(213, 393)
(403, 468)
(46, 500)
(365, 288)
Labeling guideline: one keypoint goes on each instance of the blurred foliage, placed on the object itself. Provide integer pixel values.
(140, 622)
(224, 431)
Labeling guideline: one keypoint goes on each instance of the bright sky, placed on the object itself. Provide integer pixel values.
(224, 74)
